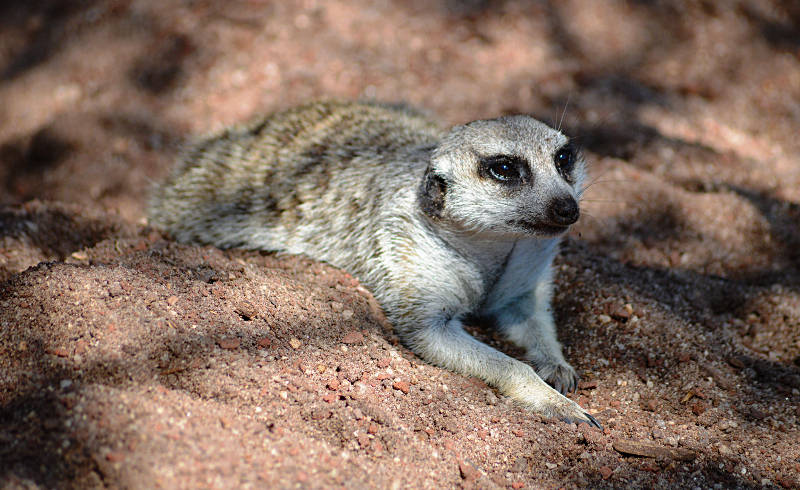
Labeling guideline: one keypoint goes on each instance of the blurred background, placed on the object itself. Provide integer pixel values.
(688, 110)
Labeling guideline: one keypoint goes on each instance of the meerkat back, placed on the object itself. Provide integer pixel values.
(275, 184)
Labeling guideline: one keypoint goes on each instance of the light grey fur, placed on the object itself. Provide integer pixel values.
(387, 195)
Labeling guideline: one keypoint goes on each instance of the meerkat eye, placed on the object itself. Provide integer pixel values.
(503, 168)
(565, 160)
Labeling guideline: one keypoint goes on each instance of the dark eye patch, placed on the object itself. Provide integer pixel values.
(506, 169)
(565, 159)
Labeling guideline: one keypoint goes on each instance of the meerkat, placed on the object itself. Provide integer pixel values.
(440, 225)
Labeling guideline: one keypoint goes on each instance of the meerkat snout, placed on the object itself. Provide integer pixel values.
(563, 211)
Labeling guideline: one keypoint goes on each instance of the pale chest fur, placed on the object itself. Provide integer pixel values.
(529, 264)
(481, 276)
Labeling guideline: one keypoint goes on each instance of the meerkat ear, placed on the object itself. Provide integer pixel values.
(431, 193)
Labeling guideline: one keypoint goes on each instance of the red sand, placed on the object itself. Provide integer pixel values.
(127, 360)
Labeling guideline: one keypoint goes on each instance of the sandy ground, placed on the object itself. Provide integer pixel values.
(128, 360)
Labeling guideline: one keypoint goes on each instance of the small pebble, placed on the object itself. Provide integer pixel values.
(650, 450)
(246, 310)
(230, 343)
(621, 313)
(402, 386)
(353, 337)
(468, 471)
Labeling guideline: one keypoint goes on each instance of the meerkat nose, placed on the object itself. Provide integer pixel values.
(563, 211)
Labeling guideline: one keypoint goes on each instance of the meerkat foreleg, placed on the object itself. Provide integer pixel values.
(528, 323)
(447, 344)
(534, 331)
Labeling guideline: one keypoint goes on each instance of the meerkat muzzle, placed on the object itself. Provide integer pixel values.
(563, 211)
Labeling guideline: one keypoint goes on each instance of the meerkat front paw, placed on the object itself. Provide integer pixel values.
(559, 375)
(572, 413)
(547, 401)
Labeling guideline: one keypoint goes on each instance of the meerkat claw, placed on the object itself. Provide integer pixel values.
(592, 421)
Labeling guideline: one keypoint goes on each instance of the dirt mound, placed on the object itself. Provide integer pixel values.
(129, 360)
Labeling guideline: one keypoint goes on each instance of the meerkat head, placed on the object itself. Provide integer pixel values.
(511, 175)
